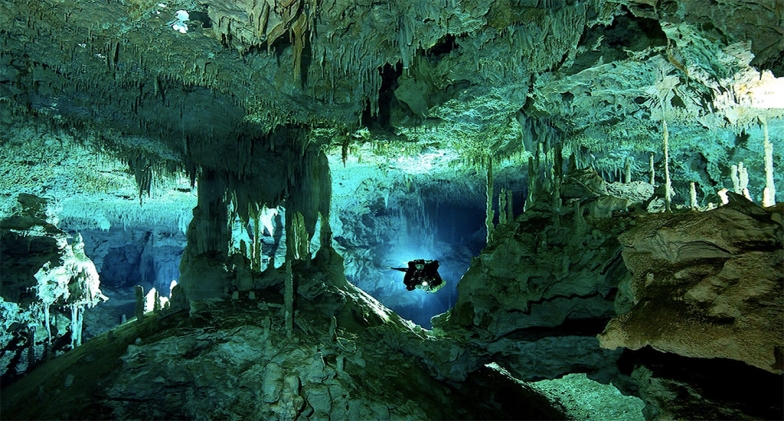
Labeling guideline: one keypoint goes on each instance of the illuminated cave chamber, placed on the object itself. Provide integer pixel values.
(563, 160)
(387, 219)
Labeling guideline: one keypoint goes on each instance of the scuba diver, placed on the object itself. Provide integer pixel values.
(422, 274)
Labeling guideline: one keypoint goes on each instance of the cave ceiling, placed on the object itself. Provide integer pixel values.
(457, 81)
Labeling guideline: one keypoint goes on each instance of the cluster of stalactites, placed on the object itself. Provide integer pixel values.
(306, 196)
(545, 169)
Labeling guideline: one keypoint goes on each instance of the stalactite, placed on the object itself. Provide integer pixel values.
(667, 184)
(297, 237)
(244, 251)
(288, 299)
(489, 212)
(651, 169)
(769, 192)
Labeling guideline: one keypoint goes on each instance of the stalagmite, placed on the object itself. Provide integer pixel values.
(256, 256)
(740, 180)
(325, 234)
(693, 195)
(580, 225)
(48, 324)
(509, 206)
(139, 302)
(77, 312)
(529, 200)
(557, 176)
(652, 170)
(502, 207)
(628, 171)
(735, 180)
(31, 347)
(156, 304)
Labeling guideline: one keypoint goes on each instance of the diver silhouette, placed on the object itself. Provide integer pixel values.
(422, 274)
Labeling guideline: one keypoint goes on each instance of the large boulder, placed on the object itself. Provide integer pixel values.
(707, 285)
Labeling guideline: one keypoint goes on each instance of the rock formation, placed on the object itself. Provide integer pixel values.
(43, 274)
(561, 158)
(705, 285)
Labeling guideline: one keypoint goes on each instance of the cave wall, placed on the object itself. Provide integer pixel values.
(545, 285)
(135, 256)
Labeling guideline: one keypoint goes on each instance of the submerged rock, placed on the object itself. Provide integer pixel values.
(46, 285)
(348, 358)
(707, 285)
(535, 298)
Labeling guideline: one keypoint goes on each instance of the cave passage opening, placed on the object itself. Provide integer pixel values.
(450, 231)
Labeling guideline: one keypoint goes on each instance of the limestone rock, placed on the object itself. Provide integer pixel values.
(219, 362)
(538, 294)
(41, 275)
(706, 285)
(682, 388)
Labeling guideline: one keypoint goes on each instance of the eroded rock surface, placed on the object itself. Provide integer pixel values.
(537, 295)
(347, 357)
(706, 285)
(45, 285)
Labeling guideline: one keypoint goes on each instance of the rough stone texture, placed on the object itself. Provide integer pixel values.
(42, 277)
(349, 358)
(485, 74)
(707, 284)
(28, 242)
(127, 257)
(536, 296)
(446, 86)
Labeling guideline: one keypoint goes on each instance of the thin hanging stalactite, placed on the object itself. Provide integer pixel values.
(489, 214)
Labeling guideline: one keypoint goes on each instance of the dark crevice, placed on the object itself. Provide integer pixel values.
(386, 98)
(734, 384)
(570, 327)
(627, 33)
(442, 47)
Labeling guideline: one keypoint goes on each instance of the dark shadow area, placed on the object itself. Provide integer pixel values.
(516, 400)
(125, 258)
(386, 99)
(728, 383)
